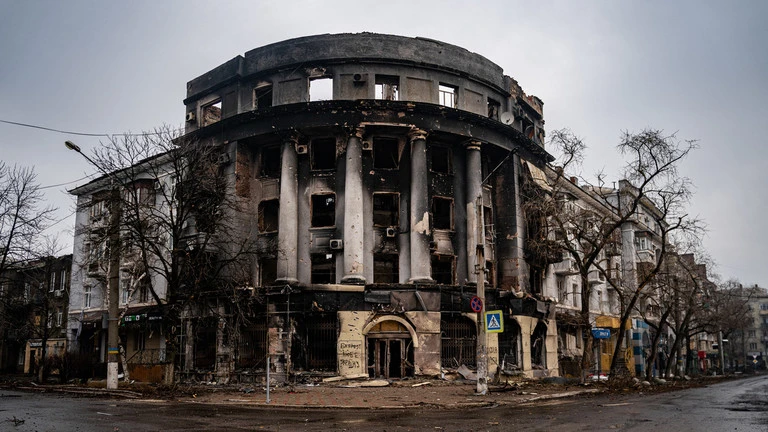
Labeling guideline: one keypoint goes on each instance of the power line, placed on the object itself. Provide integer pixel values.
(79, 133)
(65, 183)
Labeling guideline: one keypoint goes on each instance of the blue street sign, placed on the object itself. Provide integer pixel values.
(494, 323)
(601, 333)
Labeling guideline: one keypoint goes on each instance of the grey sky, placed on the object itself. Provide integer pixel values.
(698, 68)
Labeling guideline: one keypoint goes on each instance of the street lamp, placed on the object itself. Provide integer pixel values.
(113, 274)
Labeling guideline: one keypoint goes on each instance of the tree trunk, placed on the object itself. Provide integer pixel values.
(651, 359)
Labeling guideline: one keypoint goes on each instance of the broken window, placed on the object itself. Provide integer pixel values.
(324, 154)
(443, 269)
(440, 160)
(323, 210)
(268, 271)
(538, 346)
(490, 280)
(386, 268)
(493, 109)
(387, 87)
(269, 216)
(270, 161)
(205, 344)
(262, 96)
(323, 269)
(490, 233)
(320, 89)
(536, 275)
(509, 345)
(459, 341)
(252, 346)
(321, 331)
(448, 95)
(211, 112)
(386, 209)
(386, 154)
(442, 213)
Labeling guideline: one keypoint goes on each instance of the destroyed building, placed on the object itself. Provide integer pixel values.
(368, 168)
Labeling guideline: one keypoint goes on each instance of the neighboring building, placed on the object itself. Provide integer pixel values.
(368, 168)
(33, 307)
(749, 345)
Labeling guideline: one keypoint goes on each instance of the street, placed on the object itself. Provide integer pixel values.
(737, 405)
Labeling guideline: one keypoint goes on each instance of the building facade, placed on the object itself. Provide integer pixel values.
(33, 307)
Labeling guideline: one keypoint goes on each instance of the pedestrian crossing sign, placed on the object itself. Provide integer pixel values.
(494, 323)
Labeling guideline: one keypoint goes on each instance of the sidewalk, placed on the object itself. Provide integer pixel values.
(428, 393)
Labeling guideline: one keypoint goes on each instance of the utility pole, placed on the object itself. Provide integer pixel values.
(481, 355)
(113, 273)
(113, 277)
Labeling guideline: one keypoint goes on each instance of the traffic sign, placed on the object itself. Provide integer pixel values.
(494, 323)
(476, 304)
(601, 333)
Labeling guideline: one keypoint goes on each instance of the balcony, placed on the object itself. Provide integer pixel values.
(595, 277)
(566, 266)
(647, 256)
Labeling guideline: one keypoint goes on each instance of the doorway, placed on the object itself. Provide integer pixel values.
(390, 351)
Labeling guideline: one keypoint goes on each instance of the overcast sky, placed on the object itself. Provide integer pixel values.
(698, 68)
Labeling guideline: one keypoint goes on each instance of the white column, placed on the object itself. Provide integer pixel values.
(420, 230)
(474, 189)
(288, 228)
(353, 211)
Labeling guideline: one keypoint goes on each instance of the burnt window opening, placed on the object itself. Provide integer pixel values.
(320, 89)
(323, 269)
(510, 345)
(205, 344)
(262, 96)
(490, 280)
(386, 268)
(440, 160)
(448, 95)
(538, 347)
(269, 216)
(387, 87)
(314, 342)
(443, 269)
(323, 210)
(386, 154)
(494, 107)
(252, 346)
(211, 112)
(268, 271)
(458, 335)
(442, 213)
(386, 209)
(270, 161)
(536, 276)
(324, 154)
(490, 233)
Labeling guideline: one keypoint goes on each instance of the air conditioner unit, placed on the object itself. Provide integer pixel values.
(368, 145)
(224, 158)
(337, 244)
(391, 232)
(358, 78)
(301, 149)
(191, 116)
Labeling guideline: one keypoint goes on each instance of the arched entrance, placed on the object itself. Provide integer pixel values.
(390, 349)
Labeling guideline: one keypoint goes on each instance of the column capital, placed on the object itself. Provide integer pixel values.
(417, 134)
(355, 132)
(291, 137)
(473, 144)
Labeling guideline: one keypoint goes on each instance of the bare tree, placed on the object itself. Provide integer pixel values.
(586, 221)
(181, 240)
(23, 215)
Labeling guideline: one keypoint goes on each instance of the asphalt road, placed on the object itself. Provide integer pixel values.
(739, 405)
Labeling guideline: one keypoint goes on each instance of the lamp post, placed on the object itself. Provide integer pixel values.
(113, 274)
